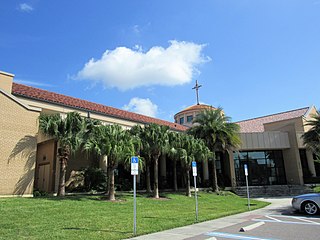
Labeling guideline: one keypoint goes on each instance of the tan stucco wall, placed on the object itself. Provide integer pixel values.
(184, 114)
(6, 81)
(18, 145)
(311, 113)
(291, 156)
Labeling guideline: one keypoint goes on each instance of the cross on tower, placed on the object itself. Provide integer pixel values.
(196, 87)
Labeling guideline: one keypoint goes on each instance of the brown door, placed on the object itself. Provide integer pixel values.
(44, 177)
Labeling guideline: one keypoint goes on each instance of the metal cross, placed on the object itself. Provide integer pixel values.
(196, 87)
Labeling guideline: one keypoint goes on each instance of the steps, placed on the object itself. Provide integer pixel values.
(273, 190)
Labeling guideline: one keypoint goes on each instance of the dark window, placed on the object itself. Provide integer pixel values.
(182, 120)
(304, 163)
(264, 167)
(189, 118)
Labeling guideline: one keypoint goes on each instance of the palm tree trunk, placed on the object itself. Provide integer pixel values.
(175, 183)
(108, 181)
(215, 187)
(188, 190)
(64, 153)
(111, 187)
(148, 181)
(62, 177)
(156, 183)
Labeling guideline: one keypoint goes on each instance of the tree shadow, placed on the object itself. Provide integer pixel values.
(25, 150)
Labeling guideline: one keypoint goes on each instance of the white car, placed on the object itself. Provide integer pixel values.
(308, 203)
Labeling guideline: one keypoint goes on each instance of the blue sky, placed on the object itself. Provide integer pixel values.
(252, 57)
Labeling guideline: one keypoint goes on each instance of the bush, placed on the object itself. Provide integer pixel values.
(316, 189)
(124, 185)
(95, 179)
(39, 193)
(86, 180)
(311, 180)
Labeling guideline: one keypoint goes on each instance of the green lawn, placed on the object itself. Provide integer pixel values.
(89, 217)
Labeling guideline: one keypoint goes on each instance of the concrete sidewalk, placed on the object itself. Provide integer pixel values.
(277, 206)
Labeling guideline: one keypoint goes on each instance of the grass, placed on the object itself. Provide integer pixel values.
(89, 217)
(316, 189)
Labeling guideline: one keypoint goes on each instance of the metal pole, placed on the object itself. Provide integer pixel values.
(134, 207)
(196, 196)
(248, 195)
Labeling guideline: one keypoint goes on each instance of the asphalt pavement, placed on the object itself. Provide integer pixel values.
(276, 221)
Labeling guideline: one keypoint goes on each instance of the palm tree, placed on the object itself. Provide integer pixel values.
(219, 133)
(174, 153)
(144, 152)
(115, 143)
(192, 150)
(156, 138)
(311, 138)
(67, 132)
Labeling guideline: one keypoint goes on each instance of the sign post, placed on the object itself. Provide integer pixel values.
(134, 172)
(194, 173)
(246, 174)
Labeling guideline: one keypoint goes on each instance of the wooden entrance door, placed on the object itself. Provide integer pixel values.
(44, 177)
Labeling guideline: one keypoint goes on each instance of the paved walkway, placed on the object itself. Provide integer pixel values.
(277, 206)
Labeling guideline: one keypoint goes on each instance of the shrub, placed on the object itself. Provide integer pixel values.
(39, 193)
(86, 180)
(95, 179)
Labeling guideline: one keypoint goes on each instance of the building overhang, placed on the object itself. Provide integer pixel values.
(264, 140)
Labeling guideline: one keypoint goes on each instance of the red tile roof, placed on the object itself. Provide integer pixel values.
(200, 107)
(59, 99)
(257, 124)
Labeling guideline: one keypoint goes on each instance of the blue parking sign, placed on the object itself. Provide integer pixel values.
(134, 159)
(134, 165)
(194, 169)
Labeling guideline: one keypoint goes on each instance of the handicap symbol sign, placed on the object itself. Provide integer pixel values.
(134, 159)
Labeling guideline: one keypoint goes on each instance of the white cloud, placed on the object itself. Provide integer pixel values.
(136, 29)
(126, 68)
(142, 106)
(32, 83)
(24, 7)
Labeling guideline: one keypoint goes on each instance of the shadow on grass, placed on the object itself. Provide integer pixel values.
(67, 198)
(95, 230)
(157, 217)
(251, 204)
(122, 197)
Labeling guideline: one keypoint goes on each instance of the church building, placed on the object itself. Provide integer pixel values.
(271, 145)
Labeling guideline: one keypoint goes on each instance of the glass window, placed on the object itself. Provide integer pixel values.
(189, 118)
(182, 120)
(265, 167)
(256, 155)
(270, 154)
(243, 155)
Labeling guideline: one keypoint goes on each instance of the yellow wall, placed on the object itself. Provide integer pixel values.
(18, 145)
(6, 81)
(312, 112)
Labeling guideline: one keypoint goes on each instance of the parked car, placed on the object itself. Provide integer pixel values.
(308, 203)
